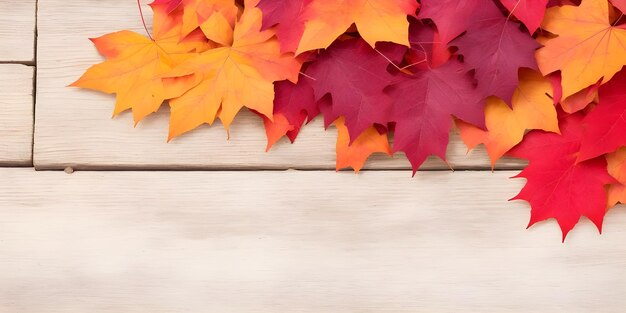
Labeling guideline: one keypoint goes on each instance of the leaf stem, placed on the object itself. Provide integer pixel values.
(143, 21)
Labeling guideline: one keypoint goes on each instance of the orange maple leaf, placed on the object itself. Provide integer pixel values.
(532, 109)
(376, 20)
(135, 64)
(356, 153)
(240, 73)
(196, 12)
(587, 47)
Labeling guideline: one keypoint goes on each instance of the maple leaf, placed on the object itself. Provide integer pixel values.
(557, 185)
(354, 153)
(423, 106)
(288, 17)
(616, 166)
(532, 109)
(605, 124)
(293, 104)
(452, 17)
(233, 76)
(135, 65)
(588, 48)
(355, 76)
(376, 21)
(196, 12)
(496, 48)
(530, 12)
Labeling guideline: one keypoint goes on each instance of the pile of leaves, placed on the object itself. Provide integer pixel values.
(540, 80)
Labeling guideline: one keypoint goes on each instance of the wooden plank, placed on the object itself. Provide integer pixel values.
(17, 30)
(294, 242)
(90, 140)
(16, 114)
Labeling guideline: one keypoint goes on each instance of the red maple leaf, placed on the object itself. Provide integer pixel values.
(452, 17)
(288, 18)
(293, 104)
(496, 48)
(606, 123)
(425, 100)
(355, 75)
(557, 185)
(423, 106)
(530, 12)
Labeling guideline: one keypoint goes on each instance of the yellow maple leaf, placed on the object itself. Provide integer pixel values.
(354, 155)
(587, 47)
(135, 64)
(240, 73)
(376, 20)
(532, 109)
(196, 12)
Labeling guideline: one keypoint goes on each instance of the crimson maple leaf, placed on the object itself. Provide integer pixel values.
(423, 106)
(355, 75)
(452, 17)
(293, 104)
(606, 123)
(425, 101)
(496, 48)
(557, 185)
(288, 18)
(530, 12)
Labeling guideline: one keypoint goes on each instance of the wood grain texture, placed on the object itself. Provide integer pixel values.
(294, 242)
(89, 139)
(17, 30)
(16, 114)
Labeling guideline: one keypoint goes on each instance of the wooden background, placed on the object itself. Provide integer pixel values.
(249, 231)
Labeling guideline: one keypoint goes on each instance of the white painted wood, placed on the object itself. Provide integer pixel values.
(89, 139)
(16, 114)
(17, 30)
(294, 242)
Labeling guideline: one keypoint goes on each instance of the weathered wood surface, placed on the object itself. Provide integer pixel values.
(16, 114)
(294, 242)
(89, 139)
(17, 30)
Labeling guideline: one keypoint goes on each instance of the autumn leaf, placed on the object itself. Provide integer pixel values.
(452, 17)
(288, 18)
(355, 75)
(136, 64)
(233, 76)
(293, 104)
(530, 12)
(196, 12)
(605, 126)
(376, 21)
(423, 106)
(532, 109)
(354, 153)
(557, 185)
(588, 48)
(496, 49)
